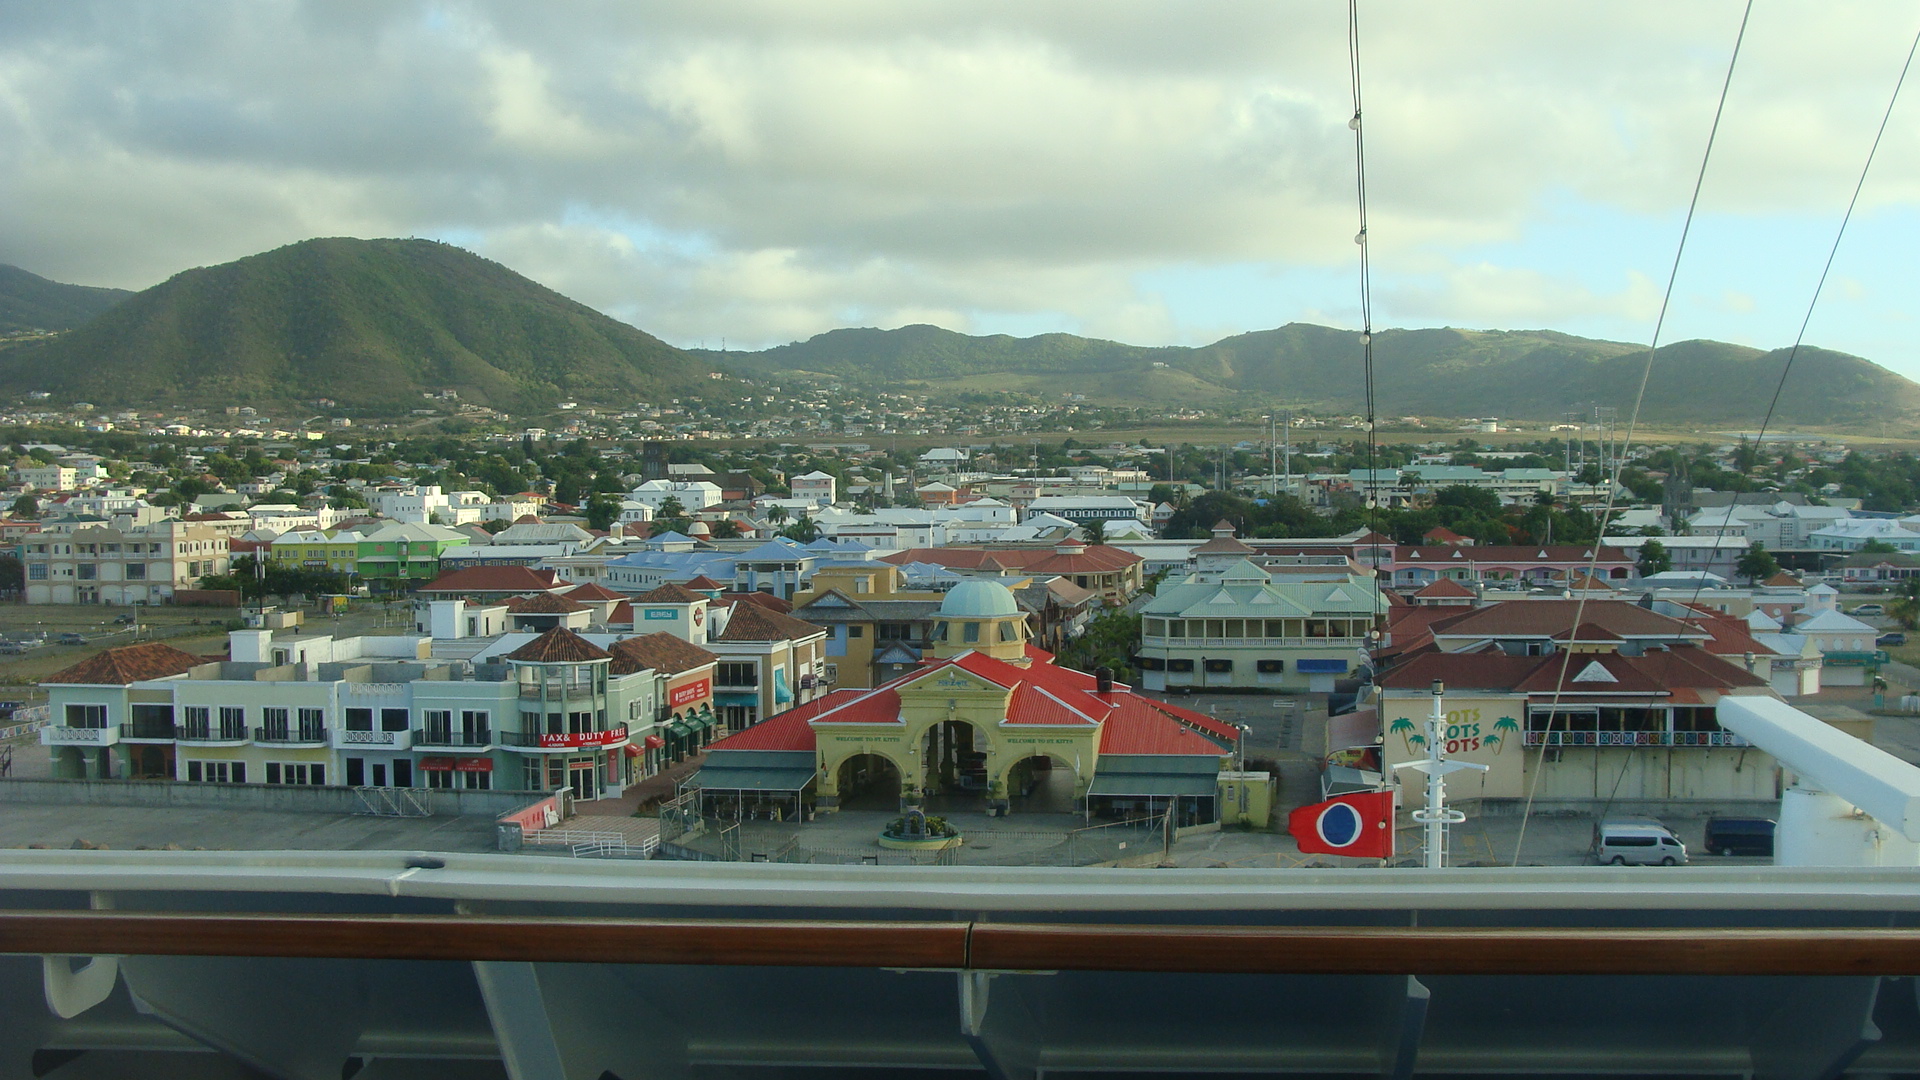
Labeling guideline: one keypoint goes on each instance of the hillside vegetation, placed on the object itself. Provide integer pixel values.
(31, 302)
(1536, 374)
(368, 323)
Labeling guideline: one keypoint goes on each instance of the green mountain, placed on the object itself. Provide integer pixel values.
(30, 302)
(368, 323)
(1531, 374)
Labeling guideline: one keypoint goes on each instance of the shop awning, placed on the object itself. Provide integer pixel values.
(756, 770)
(698, 724)
(654, 742)
(781, 692)
(1155, 775)
(679, 730)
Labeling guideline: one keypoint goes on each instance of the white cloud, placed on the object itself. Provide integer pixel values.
(761, 170)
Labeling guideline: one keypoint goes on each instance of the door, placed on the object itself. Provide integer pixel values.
(379, 774)
(357, 772)
(403, 773)
(584, 779)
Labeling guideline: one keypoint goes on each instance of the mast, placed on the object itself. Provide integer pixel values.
(1435, 816)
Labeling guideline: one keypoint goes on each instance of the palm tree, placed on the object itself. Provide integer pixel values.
(1507, 724)
(776, 514)
(1405, 727)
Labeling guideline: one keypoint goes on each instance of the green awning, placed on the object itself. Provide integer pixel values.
(1156, 775)
(679, 730)
(1152, 785)
(756, 770)
(698, 724)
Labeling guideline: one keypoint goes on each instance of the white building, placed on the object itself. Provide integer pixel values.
(815, 487)
(692, 494)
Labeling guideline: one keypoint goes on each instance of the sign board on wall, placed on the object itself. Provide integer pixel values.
(690, 693)
(1488, 730)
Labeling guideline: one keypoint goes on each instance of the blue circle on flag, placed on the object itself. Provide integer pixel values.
(1339, 825)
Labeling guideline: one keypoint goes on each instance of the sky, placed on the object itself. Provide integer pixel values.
(1158, 173)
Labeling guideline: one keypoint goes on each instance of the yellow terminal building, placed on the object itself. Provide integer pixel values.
(986, 722)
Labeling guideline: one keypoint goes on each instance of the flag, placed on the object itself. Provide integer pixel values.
(1360, 823)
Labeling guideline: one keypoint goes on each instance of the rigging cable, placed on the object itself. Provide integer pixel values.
(1613, 482)
(1694, 613)
(1366, 323)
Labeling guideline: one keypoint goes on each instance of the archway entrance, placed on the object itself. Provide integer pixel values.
(956, 762)
(1040, 785)
(868, 782)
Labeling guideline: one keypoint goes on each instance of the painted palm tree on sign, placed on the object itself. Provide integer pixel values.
(1405, 727)
(1505, 724)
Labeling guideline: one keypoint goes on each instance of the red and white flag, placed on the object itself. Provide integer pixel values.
(1360, 824)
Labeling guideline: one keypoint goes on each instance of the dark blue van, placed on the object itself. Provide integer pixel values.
(1739, 836)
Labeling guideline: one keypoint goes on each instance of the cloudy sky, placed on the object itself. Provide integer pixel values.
(1157, 173)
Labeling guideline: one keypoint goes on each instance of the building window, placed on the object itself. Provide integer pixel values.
(737, 674)
(217, 772)
(37, 572)
(359, 719)
(88, 571)
(1270, 667)
(970, 632)
(856, 631)
(1219, 666)
(393, 719)
(1177, 664)
(296, 772)
(137, 571)
(86, 716)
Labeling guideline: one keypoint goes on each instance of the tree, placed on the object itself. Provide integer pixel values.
(1479, 502)
(1906, 608)
(1095, 530)
(1871, 547)
(1654, 558)
(602, 511)
(776, 515)
(26, 507)
(1756, 565)
(803, 530)
(671, 517)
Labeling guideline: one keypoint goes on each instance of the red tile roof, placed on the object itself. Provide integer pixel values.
(1660, 672)
(1097, 559)
(128, 664)
(661, 652)
(545, 603)
(751, 622)
(669, 594)
(622, 614)
(1543, 618)
(1445, 587)
(559, 646)
(592, 592)
(765, 600)
(1136, 727)
(705, 583)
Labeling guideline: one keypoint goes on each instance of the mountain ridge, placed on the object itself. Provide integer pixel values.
(371, 324)
(29, 302)
(1532, 374)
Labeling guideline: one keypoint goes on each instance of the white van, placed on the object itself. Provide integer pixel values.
(1637, 843)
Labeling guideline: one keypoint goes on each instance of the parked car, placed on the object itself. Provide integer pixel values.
(124, 620)
(1740, 836)
(1898, 637)
(13, 648)
(1637, 843)
(72, 639)
(1870, 609)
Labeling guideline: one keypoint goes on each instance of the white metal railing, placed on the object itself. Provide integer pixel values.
(368, 738)
(1635, 738)
(85, 736)
(1253, 642)
(590, 843)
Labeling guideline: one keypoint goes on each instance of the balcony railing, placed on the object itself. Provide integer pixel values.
(439, 736)
(147, 730)
(564, 740)
(1251, 642)
(299, 733)
(349, 738)
(1635, 738)
(557, 690)
(80, 736)
(210, 732)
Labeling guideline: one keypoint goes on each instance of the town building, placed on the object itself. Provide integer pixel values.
(1247, 631)
(1115, 574)
(95, 563)
(984, 725)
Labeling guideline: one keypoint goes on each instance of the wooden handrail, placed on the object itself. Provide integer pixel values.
(488, 937)
(978, 945)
